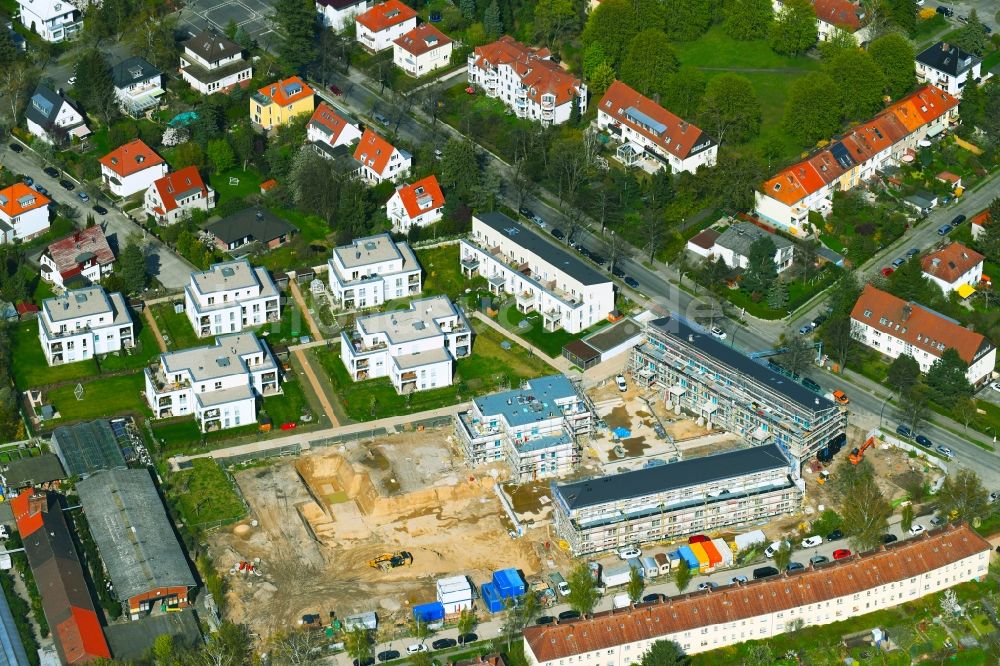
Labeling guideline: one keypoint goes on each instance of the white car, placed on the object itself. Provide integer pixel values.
(620, 380)
(717, 332)
(995, 386)
(563, 588)
(738, 579)
(812, 542)
(72, 81)
(415, 648)
(773, 548)
(917, 529)
(629, 552)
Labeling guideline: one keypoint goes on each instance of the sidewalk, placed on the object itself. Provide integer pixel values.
(299, 301)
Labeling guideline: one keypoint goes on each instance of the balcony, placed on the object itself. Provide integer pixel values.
(159, 380)
(409, 376)
(525, 301)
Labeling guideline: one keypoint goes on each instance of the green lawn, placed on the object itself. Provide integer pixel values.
(288, 330)
(204, 494)
(30, 368)
(311, 227)
(286, 408)
(549, 342)
(249, 183)
(175, 328)
(489, 367)
(102, 398)
(927, 29)
(144, 351)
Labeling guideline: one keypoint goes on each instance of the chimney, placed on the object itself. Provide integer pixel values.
(944, 46)
(37, 503)
(907, 311)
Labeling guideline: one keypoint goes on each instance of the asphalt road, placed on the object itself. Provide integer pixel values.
(171, 271)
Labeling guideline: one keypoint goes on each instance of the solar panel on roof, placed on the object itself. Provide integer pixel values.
(638, 116)
(42, 105)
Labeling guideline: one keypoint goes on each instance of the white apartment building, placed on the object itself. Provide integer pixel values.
(702, 621)
(219, 384)
(651, 137)
(211, 63)
(329, 127)
(131, 168)
(377, 28)
(422, 50)
(230, 297)
(380, 160)
(527, 81)
(847, 15)
(173, 197)
(534, 428)
(543, 277)
(338, 14)
(415, 348)
(24, 213)
(371, 271)
(954, 267)
(733, 245)
(138, 85)
(948, 67)
(894, 327)
(84, 323)
(786, 199)
(417, 205)
(52, 20)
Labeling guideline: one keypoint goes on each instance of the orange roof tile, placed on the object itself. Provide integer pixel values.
(385, 15)
(133, 157)
(916, 325)
(894, 563)
(951, 262)
(533, 66)
(373, 151)
(421, 196)
(286, 92)
(425, 37)
(19, 198)
(844, 13)
(178, 184)
(325, 117)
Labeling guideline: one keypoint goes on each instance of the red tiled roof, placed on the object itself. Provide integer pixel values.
(917, 325)
(133, 157)
(951, 262)
(179, 184)
(19, 198)
(373, 151)
(268, 184)
(893, 563)
(66, 252)
(948, 177)
(532, 66)
(706, 239)
(843, 13)
(422, 196)
(286, 92)
(678, 137)
(326, 117)
(425, 37)
(385, 15)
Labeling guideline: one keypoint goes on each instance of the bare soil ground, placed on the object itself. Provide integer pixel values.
(323, 516)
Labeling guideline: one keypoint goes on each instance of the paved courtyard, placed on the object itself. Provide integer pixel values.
(253, 16)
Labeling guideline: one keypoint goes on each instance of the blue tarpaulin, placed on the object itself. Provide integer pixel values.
(622, 433)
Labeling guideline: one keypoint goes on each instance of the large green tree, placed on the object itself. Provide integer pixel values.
(296, 19)
(132, 267)
(812, 110)
(730, 110)
(459, 167)
(554, 19)
(583, 595)
(894, 55)
(947, 377)
(859, 81)
(761, 270)
(687, 20)
(864, 510)
(94, 87)
(649, 63)
(493, 20)
(973, 36)
(664, 653)
(903, 373)
(8, 52)
(683, 96)
(964, 496)
(612, 25)
(748, 19)
(902, 13)
(794, 31)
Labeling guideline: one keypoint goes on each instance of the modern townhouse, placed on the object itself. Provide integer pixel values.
(54, 118)
(948, 67)
(276, 104)
(671, 501)
(84, 323)
(543, 277)
(329, 128)
(733, 245)
(84, 254)
(377, 28)
(138, 86)
(786, 199)
(416, 205)
(338, 14)
(651, 137)
(527, 81)
(422, 50)
(131, 168)
(702, 621)
(219, 384)
(893, 327)
(24, 213)
(173, 197)
(52, 20)
(230, 297)
(954, 267)
(534, 428)
(415, 348)
(380, 160)
(846, 15)
(210, 63)
(696, 373)
(372, 270)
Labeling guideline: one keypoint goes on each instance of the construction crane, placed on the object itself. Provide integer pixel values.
(858, 454)
(387, 561)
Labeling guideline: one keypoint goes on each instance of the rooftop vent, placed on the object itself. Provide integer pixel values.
(222, 361)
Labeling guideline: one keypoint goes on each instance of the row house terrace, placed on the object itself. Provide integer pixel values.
(230, 297)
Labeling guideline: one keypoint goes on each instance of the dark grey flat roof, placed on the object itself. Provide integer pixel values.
(134, 640)
(34, 471)
(609, 337)
(737, 360)
(529, 240)
(683, 474)
(85, 448)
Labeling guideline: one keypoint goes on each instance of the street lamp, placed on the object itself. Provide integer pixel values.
(882, 411)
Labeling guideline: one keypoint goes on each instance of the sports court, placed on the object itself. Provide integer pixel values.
(253, 16)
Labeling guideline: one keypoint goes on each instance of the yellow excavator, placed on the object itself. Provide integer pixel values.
(387, 561)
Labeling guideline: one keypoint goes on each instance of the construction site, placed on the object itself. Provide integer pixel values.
(365, 526)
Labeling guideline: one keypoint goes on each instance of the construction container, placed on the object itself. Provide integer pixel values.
(650, 569)
(455, 593)
(754, 538)
(615, 576)
(725, 552)
(427, 613)
(453, 584)
(685, 554)
(714, 558)
(491, 598)
(361, 621)
(704, 564)
(508, 583)
(662, 563)
(621, 601)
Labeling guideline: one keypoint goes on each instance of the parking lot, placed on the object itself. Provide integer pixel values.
(252, 16)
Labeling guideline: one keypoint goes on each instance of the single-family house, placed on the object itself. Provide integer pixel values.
(83, 254)
(954, 267)
(131, 168)
(377, 28)
(52, 20)
(337, 14)
(380, 160)
(84, 323)
(251, 225)
(277, 103)
(733, 245)
(53, 117)
(416, 205)
(422, 50)
(329, 127)
(210, 63)
(370, 271)
(174, 196)
(138, 85)
(24, 213)
(948, 67)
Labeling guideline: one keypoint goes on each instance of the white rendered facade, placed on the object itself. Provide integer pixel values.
(82, 324)
(125, 184)
(52, 20)
(219, 384)
(389, 21)
(422, 50)
(224, 68)
(229, 297)
(543, 278)
(371, 271)
(415, 348)
(338, 14)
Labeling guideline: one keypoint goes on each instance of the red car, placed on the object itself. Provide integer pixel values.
(698, 538)
(288, 426)
(888, 270)
(336, 91)
(841, 554)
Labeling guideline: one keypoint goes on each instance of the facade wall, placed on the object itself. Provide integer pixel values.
(706, 157)
(230, 311)
(505, 84)
(66, 117)
(59, 28)
(973, 277)
(383, 39)
(418, 65)
(136, 182)
(338, 19)
(174, 597)
(26, 225)
(83, 342)
(950, 84)
(272, 115)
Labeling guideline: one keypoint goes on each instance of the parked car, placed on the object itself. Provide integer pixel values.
(923, 441)
(41, 190)
(652, 598)
(739, 579)
(380, 119)
(904, 431)
(51, 172)
(764, 572)
(438, 153)
(944, 229)
(465, 639)
(563, 588)
(28, 180)
(912, 252)
(16, 147)
(888, 270)
(557, 233)
(841, 553)
(444, 643)
(629, 552)
(812, 542)
(100, 210)
(945, 11)
(83, 196)
(889, 538)
(945, 451)
(806, 329)
(819, 320)
(598, 259)
(938, 520)
(539, 221)
(620, 381)
(545, 619)
(773, 548)
(631, 281)
(995, 386)
(718, 332)
(917, 529)
(994, 497)
(841, 398)
(617, 271)
(834, 535)
(898, 262)
(569, 615)
(811, 385)
(818, 559)
(795, 566)
(388, 655)
(71, 81)
(415, 648)
(958, 220)
(708, 585)
(336, 90)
